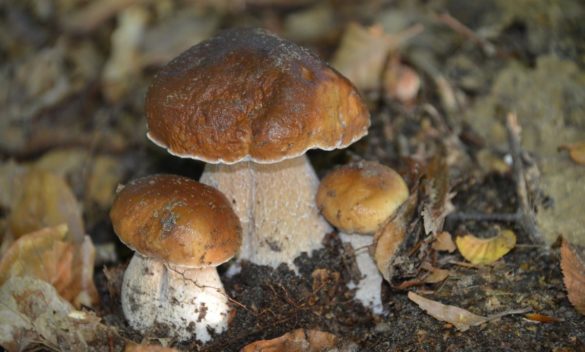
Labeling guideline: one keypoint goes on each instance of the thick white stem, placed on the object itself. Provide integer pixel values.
(187, 301)
(276, 205)
(369, 288)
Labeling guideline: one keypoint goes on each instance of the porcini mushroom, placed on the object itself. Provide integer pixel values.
(181, 230)
(250, 104)
(357, 199)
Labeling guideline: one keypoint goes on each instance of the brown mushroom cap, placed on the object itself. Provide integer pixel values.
(358, 198)
(247, 94)
(176, 220)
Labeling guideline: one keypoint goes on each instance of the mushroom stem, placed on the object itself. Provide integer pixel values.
(187, 301)
(276, 206)
(369, 288)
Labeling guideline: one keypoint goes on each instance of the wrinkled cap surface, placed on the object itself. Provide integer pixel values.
(358, 198)
(177, 220)
(247, 94)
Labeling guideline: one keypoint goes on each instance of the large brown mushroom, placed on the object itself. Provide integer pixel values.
(250, 104)
(181, 230)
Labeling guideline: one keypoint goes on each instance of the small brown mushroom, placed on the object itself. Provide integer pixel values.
(358, 199)
(250, 104)
(181, 230)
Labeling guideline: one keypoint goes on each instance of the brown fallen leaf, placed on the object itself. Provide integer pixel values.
(33, 316)
(300, 340)
(362, 54)
(460, 318)
(435, 275)
(46, 200)
(541, 318)
(444, 242)
(573, 266)
(576, 151)
(48, 256)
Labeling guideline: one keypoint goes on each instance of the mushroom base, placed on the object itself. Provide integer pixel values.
(369, 288)
(185, 301)
(276, 206)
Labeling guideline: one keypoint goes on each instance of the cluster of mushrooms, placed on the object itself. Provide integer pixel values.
(249, 104)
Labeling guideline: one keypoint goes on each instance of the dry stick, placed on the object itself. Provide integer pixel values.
(524, 215)
(456, 25)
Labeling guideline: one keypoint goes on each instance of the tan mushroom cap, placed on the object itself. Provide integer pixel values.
(176, 220)
(247, 94)
(358, 198)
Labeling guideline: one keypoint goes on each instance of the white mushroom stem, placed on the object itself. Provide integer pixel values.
(370, 286)
(187, 301)
(276, 206)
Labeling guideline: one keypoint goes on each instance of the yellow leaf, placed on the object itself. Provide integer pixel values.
(576, 152)
(485, 251)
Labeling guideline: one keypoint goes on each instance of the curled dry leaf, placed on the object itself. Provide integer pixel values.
(573, 266)
(46, 255)
(486, 251)
(301, 340)
(46, 200)
(33, 315)
(576, 152)
(444, 242)
(391, 235)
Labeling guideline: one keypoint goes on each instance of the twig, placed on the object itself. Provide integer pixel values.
(525, 213)
(456, 25)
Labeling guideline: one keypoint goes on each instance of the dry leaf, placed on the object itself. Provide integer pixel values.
(300, 340)
(391, 235)
(541, 318)
(462, 319)
(46, 200)
(444, 242)
(576, 152)
(133, 347)
(167, 39)
(362, 55)
(573, 266)
(486, 251)
(435, 275)
(437, 204)
(106, 174)
(121, 71)
(94, 14)
(11, 175)
(33, 315)
(46, 255)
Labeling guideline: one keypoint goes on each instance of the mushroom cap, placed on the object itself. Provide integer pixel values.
(177, 220)
(358, 198)
(247, 94)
